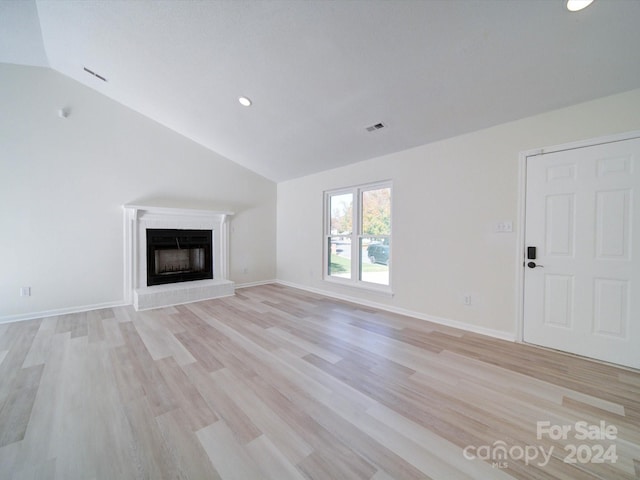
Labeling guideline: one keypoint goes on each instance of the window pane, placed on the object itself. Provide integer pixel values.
(358, 234)
(341, 214)
(376, 212)
(375, 258)
(339, 257)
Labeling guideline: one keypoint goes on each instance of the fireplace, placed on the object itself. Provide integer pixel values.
(178, 256)
(175, 255)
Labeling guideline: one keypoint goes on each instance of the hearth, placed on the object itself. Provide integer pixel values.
(175, 255)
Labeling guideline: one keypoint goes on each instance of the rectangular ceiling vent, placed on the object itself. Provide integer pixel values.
(91, 72)
(375, 127)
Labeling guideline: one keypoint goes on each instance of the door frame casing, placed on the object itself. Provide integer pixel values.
(523, 158)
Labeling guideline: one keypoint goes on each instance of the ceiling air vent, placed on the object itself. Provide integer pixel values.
(91, 72)
(375, 127)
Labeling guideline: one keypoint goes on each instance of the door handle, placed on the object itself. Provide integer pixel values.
(533, 265)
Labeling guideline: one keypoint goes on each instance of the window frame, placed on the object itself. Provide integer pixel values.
(356, 236)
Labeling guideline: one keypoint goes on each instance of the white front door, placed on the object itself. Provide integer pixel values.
(582, 289)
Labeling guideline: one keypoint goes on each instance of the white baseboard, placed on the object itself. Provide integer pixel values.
(409, 313)
(379, 306)
(255, 284)
(87, 308)
(61, 311)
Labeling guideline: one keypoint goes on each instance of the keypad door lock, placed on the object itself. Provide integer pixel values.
(531, 255)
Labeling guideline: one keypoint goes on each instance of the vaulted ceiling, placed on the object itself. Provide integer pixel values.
(320, 72)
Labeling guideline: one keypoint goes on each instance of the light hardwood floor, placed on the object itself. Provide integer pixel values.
(282, 384)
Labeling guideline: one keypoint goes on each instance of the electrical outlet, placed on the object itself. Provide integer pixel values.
(466, 299)
(25, 291)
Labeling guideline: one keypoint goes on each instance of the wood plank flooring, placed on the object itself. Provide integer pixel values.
(278, 383)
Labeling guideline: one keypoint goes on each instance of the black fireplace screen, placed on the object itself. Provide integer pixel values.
(178, 256)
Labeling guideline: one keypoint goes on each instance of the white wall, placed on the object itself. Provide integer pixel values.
(63, 183)
(447, 197)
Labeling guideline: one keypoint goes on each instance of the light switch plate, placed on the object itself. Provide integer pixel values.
(504, 227)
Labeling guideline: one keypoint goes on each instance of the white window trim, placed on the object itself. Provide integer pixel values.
(356, 235)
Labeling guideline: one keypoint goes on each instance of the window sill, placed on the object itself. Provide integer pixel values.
(383, 290)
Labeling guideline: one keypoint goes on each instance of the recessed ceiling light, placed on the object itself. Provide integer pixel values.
(244, 101)
(576, 5)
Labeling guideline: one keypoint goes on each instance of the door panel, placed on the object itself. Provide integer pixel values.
(611, 307)
(613, 224)
(558, 300)
(560, 225)
(583, 214)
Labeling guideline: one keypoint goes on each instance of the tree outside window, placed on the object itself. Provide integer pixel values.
(361, 254)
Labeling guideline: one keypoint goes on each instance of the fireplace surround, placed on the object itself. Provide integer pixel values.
(187, 270)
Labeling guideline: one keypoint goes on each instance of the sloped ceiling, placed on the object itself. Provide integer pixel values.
(320, 72)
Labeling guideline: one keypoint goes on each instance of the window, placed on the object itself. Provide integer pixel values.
(358, 235)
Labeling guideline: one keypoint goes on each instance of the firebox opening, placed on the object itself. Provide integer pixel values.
(178, 256)
(171, 262)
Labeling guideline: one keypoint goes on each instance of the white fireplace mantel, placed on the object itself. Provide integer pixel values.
(137, 218)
